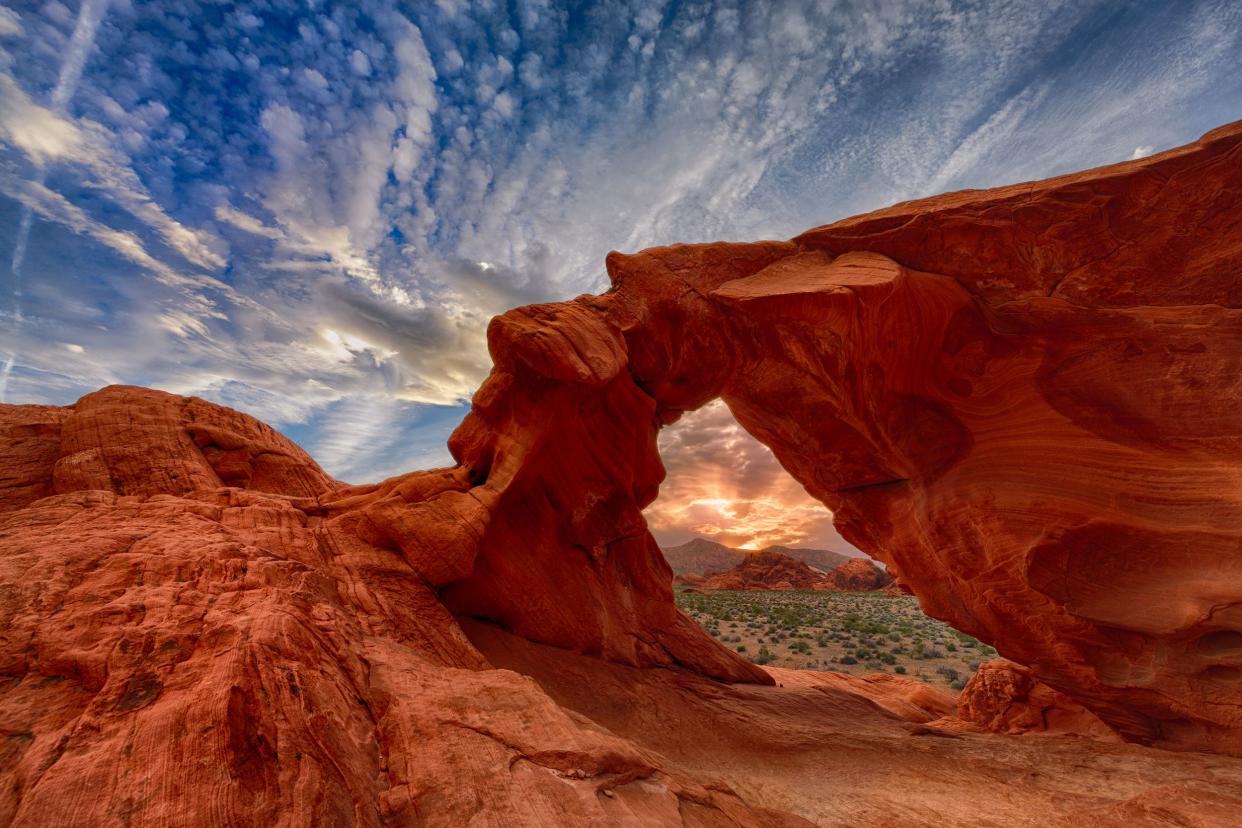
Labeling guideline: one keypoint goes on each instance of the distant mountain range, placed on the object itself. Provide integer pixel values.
(701, 555)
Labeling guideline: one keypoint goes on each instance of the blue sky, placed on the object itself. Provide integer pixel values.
(308, 210)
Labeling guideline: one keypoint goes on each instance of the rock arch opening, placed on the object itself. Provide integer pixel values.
(723, 484)
(757, 563)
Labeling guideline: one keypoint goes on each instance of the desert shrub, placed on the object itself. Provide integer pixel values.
(848, 660)
(900, 669)
(948, 672)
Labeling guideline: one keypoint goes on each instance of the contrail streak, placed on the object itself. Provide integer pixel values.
(90, 15)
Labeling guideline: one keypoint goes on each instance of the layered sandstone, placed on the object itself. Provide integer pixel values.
(1023, 401)
(198, 626)
(858, 575)
(768, 570)
(1003, 697)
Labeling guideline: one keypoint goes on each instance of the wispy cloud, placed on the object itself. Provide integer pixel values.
(34, 131)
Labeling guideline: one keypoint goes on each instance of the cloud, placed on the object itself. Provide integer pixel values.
(90, 14)
(10, 23)
(51, 206)
(37, 131)
(725, 485)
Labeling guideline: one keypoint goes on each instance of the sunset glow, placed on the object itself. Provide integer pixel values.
(724, 485)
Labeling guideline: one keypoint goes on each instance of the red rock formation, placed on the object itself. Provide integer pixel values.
(699, 556)
(1023, 401)
(175, 650)
(858, 575)
(773, 570)
(1003, 697)
(768, 570)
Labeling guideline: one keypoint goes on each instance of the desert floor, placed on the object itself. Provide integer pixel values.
(847, 632)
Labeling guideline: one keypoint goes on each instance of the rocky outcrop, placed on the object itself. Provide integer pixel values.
(767, 570)
(858, 575)
(198, 626)
(1003, 697)
(824, 560)
(138, 442)
(904, 698)
(1023, 401)
(770, 569)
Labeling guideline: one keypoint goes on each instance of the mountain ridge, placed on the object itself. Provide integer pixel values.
(700, 555)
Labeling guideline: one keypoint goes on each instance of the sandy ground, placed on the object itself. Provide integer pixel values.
(835, 757)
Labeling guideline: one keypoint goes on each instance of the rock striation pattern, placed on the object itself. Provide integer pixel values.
(1023, 401)
(198, 626)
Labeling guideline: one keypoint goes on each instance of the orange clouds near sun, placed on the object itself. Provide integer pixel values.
(725, 485)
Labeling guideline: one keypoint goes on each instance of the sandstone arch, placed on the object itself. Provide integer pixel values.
(1026, 401)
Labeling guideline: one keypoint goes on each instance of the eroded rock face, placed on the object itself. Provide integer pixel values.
(768, 570)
